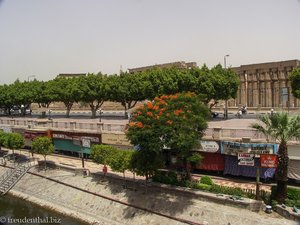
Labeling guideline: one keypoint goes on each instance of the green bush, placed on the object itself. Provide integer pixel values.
(206, 180)
(165, 177)
(227, 190)
(204, 187)
(293, 196)
(293, 193)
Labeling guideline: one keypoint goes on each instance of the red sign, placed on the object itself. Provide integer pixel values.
(268, 160)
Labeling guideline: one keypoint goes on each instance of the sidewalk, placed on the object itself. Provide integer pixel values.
(76, 163)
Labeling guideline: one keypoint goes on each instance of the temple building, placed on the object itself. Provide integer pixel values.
(266, 85)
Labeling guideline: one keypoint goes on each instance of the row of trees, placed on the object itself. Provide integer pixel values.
(14, 141)
(212, 84)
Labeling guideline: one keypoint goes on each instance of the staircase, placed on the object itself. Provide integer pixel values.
(11, 177)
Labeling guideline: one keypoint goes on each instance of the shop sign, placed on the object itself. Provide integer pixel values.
(233, 148)
(208, 146)
(86, 142)
(245, 159)
(268, 161)
(115, 139)
(260, 149)
(75, 137)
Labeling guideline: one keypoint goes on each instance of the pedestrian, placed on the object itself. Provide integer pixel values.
(104, 170)
(239, 113)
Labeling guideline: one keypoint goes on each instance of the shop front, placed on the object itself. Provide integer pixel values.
(212, 160)
(31, 134)
(294, 162)
(74, 143)
(237, 163)
(118, 140)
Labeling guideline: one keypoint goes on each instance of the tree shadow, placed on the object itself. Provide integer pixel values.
(145, 198)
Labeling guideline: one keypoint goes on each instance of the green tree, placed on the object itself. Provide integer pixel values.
(215, 84)
(43, 146)
(102, 154)
(7, 98)
(93, 90)
(120, 161)
(174, 121)
(146, 163)
(45, 93)
(126, 88)
(67, 91)
(13, 141)
(282, 128)
(295, 82)
(22, 94)
(3, 137)
(166, 81)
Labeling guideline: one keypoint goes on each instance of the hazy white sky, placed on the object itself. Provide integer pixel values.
(45, 38)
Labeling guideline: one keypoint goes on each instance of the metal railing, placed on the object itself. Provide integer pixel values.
(11, 177)
(214, 133)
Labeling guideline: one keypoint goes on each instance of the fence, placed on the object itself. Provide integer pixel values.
(264, 194)
(212, 133)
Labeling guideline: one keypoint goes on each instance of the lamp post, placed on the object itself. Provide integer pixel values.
(100, 114)
(225, 60)
(226, 101)
(246, 89)
(49, 114)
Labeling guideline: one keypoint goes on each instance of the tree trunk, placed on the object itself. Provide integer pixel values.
(187, 171)
(93, 110)
(69, 107)
(45, 163)
(281, 173)
(186, 175)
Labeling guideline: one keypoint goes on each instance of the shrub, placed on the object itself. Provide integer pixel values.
(226, 190)
(206, 180)
(165, 177)
(216, 188)
(293, 196)
(204, 187)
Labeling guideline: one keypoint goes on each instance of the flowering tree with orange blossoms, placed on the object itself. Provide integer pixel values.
(173, 121)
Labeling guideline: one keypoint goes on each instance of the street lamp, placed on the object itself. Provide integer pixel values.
(100, 114)
(49, 114)
(226, 101)
(225, 60)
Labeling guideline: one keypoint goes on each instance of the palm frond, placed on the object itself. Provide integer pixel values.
(279, 126)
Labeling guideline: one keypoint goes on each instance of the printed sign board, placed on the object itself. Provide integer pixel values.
(115, 139)
(234, 148)
(208, 146)
(268, 161)
(245, 159)
(86, 142)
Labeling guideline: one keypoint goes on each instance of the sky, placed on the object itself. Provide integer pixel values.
(41, 39)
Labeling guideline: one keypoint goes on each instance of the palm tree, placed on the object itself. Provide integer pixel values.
(282, 128)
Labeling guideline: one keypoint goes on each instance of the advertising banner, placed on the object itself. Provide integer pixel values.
(115, 139)
(208, 146)
(245, 159)
(234, 148)
(268, 161)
